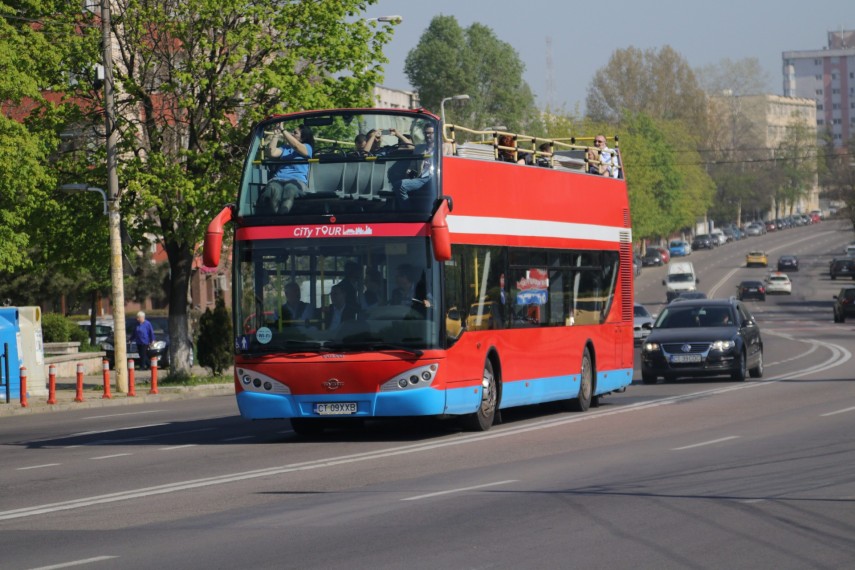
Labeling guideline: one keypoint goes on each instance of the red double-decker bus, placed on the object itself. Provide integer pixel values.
(375, 276)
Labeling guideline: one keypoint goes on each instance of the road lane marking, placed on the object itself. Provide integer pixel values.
(121, 415)
(843, 411)
(76, 563)
(178, 447)
(460, 490)
(38, 466)
(111, 456)
(703, 443)
(239, 438)
(839, 356)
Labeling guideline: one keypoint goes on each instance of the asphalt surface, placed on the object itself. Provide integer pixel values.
(93, 394)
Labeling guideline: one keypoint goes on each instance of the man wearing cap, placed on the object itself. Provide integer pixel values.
(144, 337)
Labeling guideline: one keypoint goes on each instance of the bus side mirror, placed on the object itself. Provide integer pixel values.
(440, 236)
(214, 237)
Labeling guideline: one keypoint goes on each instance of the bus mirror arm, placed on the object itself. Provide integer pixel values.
(214, 237)
(441, 237)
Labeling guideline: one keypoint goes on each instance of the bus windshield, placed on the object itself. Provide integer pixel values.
(341, 163)
(335, 294)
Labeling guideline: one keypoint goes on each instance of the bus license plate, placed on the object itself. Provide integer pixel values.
(683, 358)
(335, 409)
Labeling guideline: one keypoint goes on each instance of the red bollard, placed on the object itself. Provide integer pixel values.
(51, 384)
(106, 366)
(153, 376)
(24, 403)
(132, 389)
(79, 396)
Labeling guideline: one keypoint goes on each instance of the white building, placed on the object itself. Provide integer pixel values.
(827, 76)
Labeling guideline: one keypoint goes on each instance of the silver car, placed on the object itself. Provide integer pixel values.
(643, 323)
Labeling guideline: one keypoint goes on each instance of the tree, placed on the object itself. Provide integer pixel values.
(451, 61)
(191, 77)
(733, 78)
(659, 84)
(215, 334)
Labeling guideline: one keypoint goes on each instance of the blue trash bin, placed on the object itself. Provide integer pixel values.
(10, 370)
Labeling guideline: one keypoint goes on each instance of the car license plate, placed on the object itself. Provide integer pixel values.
(684, 358)
(335, 408)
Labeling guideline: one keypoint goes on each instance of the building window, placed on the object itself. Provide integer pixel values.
(836, 121)
(820, 122)
(834, 77)
(819, 106)
(835, 106)
(817, 62)
(835, 91)
(819, 77)
(819, 91)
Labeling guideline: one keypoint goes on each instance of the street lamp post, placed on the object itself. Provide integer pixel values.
(75, 188)
(452, 98)
(394, 20)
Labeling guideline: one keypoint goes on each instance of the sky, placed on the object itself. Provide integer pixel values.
(585, 35)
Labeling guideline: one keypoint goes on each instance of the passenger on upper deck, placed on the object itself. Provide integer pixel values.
(602, 160)
(290, 180)
(404, 188)
(506, 154)
(371, 143)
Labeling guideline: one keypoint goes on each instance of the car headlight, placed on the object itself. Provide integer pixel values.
(650, 347)
(106, 346)
(158, 345)
(723, 345)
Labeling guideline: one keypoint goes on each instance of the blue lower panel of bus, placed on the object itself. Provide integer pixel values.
(422, 402)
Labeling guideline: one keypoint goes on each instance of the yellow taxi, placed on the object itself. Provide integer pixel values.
(756, 259)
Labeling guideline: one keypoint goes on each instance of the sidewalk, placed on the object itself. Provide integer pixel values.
(93, 393)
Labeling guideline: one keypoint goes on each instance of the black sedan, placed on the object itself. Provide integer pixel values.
(788, 263)
(652, 258)
(711, 337)
(704, 241)
(751, 290)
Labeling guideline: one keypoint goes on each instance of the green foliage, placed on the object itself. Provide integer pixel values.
(57, 328)
(214, 346)
(450, 61)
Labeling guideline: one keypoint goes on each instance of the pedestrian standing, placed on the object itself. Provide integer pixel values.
(144, 337)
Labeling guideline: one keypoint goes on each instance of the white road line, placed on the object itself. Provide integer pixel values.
(460, 490)
(239, 438)
(75, 563)
(38, 466)
(178, 447)
(839, 355)
(843, 411)
(121, 415)
(111, 456)
(711, 442)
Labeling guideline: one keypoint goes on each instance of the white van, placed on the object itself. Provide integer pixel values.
(681, 277)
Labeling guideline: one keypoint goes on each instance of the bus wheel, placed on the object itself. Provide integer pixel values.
(486, 414)
(586, 385)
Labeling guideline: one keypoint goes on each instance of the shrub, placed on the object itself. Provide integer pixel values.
(56, 328)
(215, 339)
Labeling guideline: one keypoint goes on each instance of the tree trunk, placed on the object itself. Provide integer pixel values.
(181, 342)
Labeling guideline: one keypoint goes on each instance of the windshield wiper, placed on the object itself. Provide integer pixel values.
(377, 345)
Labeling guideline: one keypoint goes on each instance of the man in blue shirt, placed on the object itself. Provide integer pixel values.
(144, 337)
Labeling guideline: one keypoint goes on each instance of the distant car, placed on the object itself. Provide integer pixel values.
(751, 290)
(844, 304)
(704, 241)
(850, 250)
(666, 254)
(689, 296)
(643, 323)
(719, 235)
(842, 268)
(103, 330)
(779, 283)
(754, 230)
(652, 257)
(679, 248)
(788, 263)
(708, 337)
(160, 347)
(756, 259)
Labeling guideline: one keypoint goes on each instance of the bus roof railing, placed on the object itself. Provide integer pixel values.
(525, 144)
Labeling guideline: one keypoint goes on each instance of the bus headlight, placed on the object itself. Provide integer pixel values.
(414, 378)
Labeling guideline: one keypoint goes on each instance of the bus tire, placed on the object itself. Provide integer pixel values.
(582, 402)
(483, 419)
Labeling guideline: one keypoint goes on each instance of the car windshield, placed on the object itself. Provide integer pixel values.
(779, 278)
(678, 317)
(680, 278)
(640, 311)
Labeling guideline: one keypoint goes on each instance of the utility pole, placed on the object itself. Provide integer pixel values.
(116, 273)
